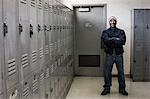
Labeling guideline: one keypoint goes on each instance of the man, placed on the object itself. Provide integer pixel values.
(114, 39)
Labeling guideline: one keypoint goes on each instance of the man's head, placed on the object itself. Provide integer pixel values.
(112, 21)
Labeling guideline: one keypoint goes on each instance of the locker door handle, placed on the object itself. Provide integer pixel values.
(5, 29)
(20, 28)
(134, 61)
(31, 30)
(39, 28)
(147, 27)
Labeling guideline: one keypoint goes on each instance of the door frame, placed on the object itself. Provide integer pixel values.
(102, 58)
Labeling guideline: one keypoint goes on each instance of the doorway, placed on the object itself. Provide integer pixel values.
(90, 21)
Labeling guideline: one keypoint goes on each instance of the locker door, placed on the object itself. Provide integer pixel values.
(139, 45)
(35, 87)
(33, 34)
(46, 30)
(42, 84)
(147, 27)
(13, 93)
(53, 34)
(41, 40)
(24, 38)
(1, 53)
(26, 88)
(52, 82)
(10, 41)
(47, 82)
(50, 30)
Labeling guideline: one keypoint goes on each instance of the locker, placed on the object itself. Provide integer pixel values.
(13, 93)
(50, 30)
(24, 39)
(42, 84)
(35, 87)
(1, 52)
(52, 81)
(33, 35)
(1, 96)
(47, 81)
(46, 30)
(26, 88)
(40, 25)
(148, 45)
(10, 42)
(140, 64)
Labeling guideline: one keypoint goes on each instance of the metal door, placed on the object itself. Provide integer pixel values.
(33, 35)
(1, 51)
(24, 39)
(47, 82)
(139, 45)
(13, 93)
(147, 27)
(46, 31)
(10, 41)
(52, 82)
(42, 84)
(90, 22)
(26, 88)
(41, 39)
(35, 87)
(50, 30)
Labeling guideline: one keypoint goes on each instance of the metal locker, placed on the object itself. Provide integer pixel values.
(56, 84)
(55, 29)
(35, 87)
(52, 81)
(13, 93)
(1, 96)
(1, 55)
(42, 84)
(139, 46)
(47, 82)
(50, 30)
(24, 39)
(33, 35)
(41, 38)
(26, 88)
(10, 33)
(147, 31)
(46, 31)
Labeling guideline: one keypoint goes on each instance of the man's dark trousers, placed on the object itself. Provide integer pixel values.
(110, 60)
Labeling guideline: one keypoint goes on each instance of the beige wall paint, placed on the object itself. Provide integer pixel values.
(122, 10)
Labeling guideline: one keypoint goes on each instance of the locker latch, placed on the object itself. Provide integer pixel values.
(20, 29)
(50, 27)
(45, 28)
(5, 27)
(31, 30)
(54, 27)
(39, 28)
(51, 89)
(57, 27)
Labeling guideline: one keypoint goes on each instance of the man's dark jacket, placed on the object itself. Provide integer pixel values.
(113, 39)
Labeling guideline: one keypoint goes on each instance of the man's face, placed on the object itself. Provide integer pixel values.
(112, 23)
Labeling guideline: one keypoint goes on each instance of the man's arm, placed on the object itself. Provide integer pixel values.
(106, 39)
(121, 40)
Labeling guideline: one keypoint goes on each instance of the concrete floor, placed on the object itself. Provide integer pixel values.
(91, 87)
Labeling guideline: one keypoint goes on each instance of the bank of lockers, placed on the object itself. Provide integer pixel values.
(36, 45)
(140, 57)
